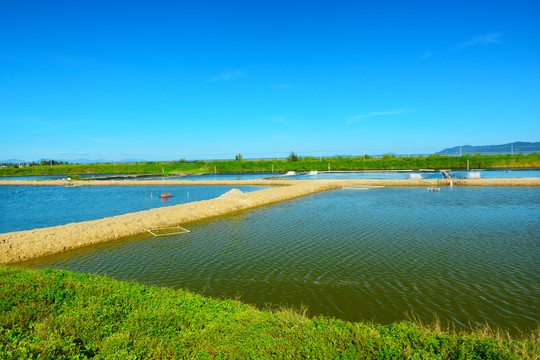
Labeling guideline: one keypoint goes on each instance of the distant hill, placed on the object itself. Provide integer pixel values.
(516, 147)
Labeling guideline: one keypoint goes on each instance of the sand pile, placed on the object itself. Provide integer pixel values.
(232, 194)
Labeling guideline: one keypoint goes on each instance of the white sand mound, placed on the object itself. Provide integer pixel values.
(232, 194)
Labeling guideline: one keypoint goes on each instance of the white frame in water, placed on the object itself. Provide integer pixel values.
(182, 231)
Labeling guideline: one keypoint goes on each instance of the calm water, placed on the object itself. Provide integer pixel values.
(30, 207)
(254, 176)
(370, 175)
(467, 255)
(420, 175)
(52, 177)
(491, 174)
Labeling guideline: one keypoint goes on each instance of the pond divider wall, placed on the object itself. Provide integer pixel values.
(23, 245)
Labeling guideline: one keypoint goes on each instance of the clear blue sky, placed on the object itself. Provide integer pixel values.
(209, 79)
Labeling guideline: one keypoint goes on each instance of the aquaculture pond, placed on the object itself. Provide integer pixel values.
(492, 174)
(465, 255)
(317, 175)
(368, 175)
(252, 176)
(54, 177)
(30, 207)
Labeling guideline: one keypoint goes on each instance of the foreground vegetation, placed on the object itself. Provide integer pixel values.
(293, 163)
(52, 314)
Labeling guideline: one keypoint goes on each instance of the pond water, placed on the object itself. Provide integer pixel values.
(30, 207)
(253, 176)
(370, 175)
(491, 174)
(316, 175)
(54, 177)
(466, 255)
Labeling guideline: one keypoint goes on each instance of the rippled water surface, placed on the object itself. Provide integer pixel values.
(467, 255)
(30, 207)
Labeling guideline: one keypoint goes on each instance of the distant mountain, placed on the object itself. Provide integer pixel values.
(516, 148)
(12, 161)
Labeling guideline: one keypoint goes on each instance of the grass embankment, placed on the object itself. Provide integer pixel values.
(52, 314)
(387, 162)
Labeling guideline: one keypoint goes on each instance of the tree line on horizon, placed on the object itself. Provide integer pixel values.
(292, 163)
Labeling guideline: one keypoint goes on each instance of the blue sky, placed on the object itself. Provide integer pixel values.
(167, 80)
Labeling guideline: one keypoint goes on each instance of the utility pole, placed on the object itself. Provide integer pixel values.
(460, 151)
(512, 149)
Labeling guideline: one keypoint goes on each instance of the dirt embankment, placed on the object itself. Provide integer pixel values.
(21, 245)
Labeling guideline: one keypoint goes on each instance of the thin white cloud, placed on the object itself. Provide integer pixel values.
(28, 121)
(229, 75)
(484, 40)
(357, 118)
(428, 54)
(283, 86)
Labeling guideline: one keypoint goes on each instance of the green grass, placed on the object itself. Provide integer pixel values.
(52, 314)
(387, 162)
